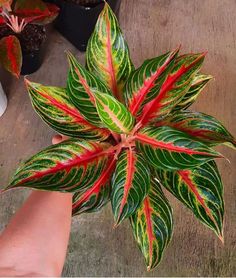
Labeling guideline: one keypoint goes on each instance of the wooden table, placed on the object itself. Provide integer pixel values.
(151, 28)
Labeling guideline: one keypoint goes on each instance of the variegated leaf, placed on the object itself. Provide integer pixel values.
(108, 53)
(10, 55)
(36, 11)
(171, 149)
(81, 87)
(201, 126)
(144, 83)
(95, 197)
(152, 226)
(201, 190)
(174, 88)
(114, 114)
(199, 83)
(69, 166)
(6, 4)
(54, 107)
(130, 184)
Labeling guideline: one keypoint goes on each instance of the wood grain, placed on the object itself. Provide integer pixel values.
(151, 28)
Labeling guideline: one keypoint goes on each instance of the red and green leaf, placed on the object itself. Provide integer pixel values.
(81, 87)
(144, 83)
(114, 114)
(130, 184)
(69, 166)
(201, 126)
(201, 190)
(198, 85)
(152, 226)
(171, 149)
(53, 105)
(174, 88)
(96, 196)
(11, 55)
(6, 4)
(108, 54)
(35, 11)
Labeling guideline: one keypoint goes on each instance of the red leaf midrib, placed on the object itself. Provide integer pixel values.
(130, 170)
(168, 146)
(147, 212)
(97, 185)
(85, 85)
(186, 178)
(84, 159)
(151, 109)
(138, 97)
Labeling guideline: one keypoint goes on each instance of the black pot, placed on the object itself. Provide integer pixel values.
(32, 61)
(76, 23)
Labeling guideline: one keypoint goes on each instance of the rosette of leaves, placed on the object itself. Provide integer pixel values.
(16, 15)
(131, 134)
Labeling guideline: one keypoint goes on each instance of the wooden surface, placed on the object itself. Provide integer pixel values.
(151, 28)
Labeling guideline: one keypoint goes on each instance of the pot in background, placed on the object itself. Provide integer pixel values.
(3, 101)
(32, 61)
(76, 22)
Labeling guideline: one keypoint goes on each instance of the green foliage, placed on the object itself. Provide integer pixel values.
(131, 135)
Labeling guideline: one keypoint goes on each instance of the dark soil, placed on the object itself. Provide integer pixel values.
(86, 3)
(30, 38)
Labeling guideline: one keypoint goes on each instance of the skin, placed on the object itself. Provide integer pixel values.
(36, 239)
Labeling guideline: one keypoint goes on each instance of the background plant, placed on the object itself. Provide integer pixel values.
(16, 15)
(132, 134)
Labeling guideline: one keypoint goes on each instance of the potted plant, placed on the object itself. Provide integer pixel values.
(131, 134)
(22, 34)
(77, 19)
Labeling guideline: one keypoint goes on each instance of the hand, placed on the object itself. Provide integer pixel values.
(59, 138)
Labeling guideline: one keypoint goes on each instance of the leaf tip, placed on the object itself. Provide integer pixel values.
(69, 55)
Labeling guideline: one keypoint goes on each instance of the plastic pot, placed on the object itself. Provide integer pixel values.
(32, 61)
(76, 23)
(3, 101)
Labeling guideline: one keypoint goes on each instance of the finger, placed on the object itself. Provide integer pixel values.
(59, 138)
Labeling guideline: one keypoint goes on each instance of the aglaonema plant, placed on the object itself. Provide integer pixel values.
(16, 15)
(131, 134)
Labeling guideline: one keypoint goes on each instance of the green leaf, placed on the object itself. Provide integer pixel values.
(108, 54)
(130, 184)
(69, 166)
(114, 114)
(10, 55)
(81, 88)
(201, 190)
(152, 226)
(53, 105)
(96, 196)
(201, 126)
(198, 85)
(174, 88)
(171, 149)
(144, 83)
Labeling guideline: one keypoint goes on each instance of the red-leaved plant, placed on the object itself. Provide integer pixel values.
(16, 15)
(132, 134)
